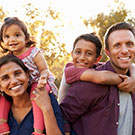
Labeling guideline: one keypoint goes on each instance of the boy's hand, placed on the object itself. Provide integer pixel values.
(127, 84)
(42, 81)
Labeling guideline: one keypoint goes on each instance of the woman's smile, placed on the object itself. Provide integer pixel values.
(13, 79)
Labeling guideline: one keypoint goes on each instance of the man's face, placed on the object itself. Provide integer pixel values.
(121, 50)
(84, 54)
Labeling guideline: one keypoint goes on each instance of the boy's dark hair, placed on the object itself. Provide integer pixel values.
(14, 20)
(117, 26)
(11, 58)
(91, 37)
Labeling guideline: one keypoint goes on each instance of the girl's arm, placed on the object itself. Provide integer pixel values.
(43, 69)
(43, 101)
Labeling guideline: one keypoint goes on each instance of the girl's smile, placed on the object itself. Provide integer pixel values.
(14, 39)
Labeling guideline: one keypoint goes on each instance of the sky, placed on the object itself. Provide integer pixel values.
(71, 11)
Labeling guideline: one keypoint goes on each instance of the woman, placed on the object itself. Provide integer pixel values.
(14, 84)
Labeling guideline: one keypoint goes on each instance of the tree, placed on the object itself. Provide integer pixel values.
(46, 26)
(102, 22)
(3, 14)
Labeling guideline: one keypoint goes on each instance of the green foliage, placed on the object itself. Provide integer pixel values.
(2, 14)
(102, 22)
(44, 27)
(54, 51)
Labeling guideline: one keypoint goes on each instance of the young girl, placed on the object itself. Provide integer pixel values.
(15, 38)
(85, 55)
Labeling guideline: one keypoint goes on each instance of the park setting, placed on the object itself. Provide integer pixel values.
(55, 24)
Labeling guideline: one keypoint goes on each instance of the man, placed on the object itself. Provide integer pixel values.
(94, 109)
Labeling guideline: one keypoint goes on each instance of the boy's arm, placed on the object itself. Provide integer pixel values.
(63, 89)
(132, 70)
(132, 76)
(74, 74)
(127, 85)
(101, 77)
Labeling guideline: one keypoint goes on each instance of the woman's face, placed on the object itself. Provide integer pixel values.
(13, 79)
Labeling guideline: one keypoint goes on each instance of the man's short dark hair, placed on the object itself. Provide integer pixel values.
(117, 26)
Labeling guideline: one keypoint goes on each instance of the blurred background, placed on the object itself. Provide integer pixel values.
(57, 23)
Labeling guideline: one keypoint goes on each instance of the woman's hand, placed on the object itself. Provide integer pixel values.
(43, 101)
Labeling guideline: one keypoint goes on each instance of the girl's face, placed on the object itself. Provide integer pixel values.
(13, 79)
(14, 39)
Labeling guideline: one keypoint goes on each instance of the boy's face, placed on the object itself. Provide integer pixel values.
(84, 54)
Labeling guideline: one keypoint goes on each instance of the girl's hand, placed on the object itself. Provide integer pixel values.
(42, 81)
(127, 84)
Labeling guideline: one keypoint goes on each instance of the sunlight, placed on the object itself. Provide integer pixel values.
(71, 12)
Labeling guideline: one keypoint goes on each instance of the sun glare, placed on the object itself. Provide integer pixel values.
(71, 11)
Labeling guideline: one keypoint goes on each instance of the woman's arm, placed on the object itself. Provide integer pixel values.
(42, 99)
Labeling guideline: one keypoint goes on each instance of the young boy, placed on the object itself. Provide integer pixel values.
(86, 54)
